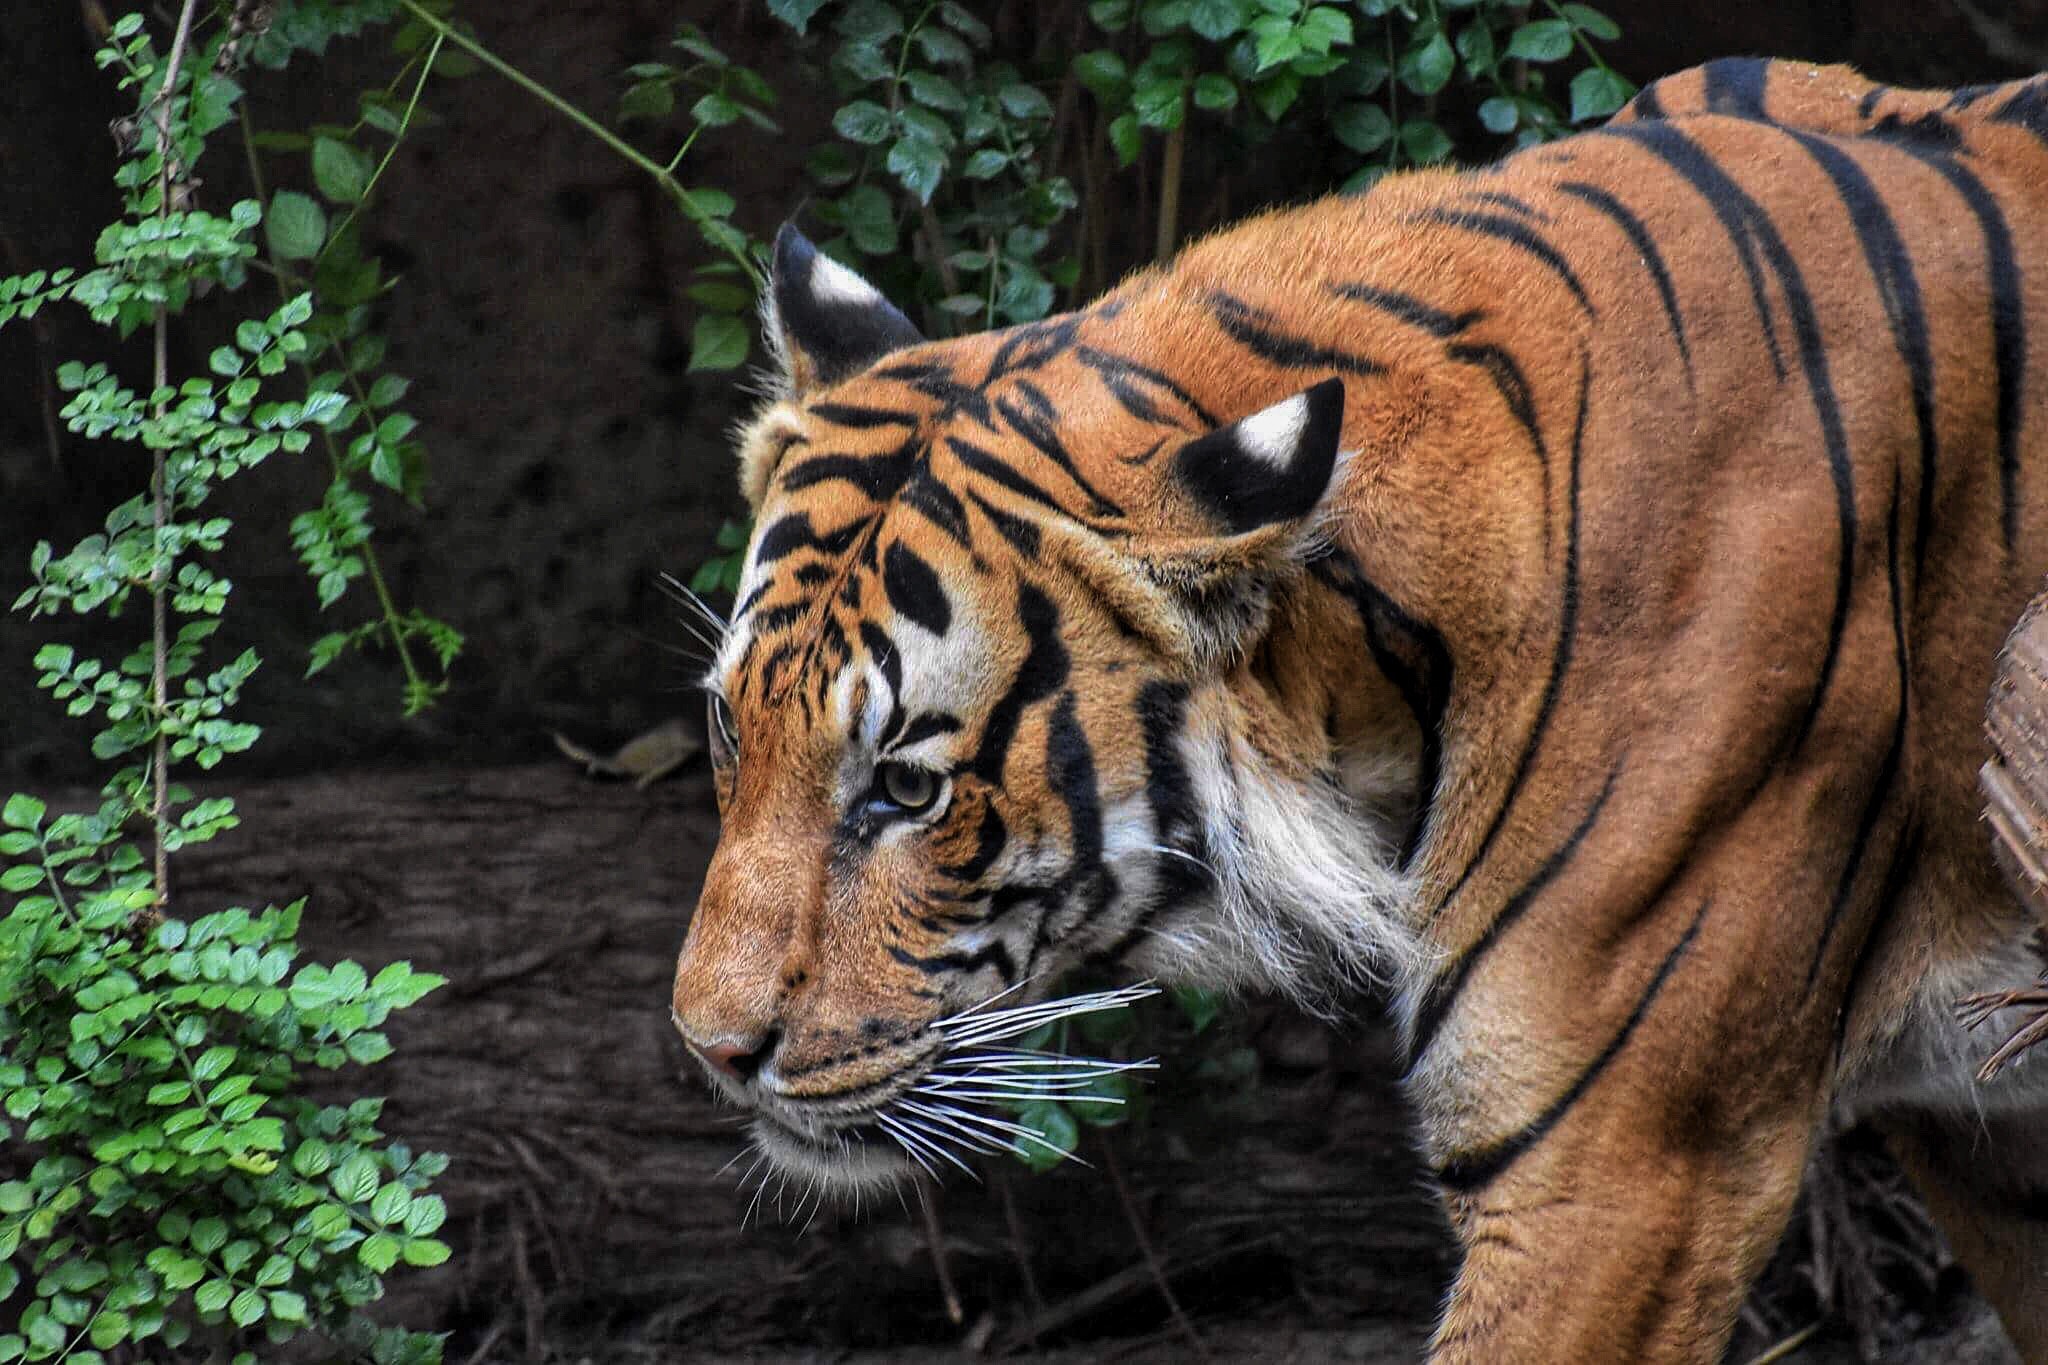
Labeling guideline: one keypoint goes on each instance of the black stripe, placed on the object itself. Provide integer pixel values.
(1443, 993)
(1409, 309)
(1646, 248)
(1016, 530)
(1043, 672)
(2028, 109)
(1746, 221)
(925, 725)
(914, 590)
(991, 466)
(1117, 372)
(1507, 377)
(1070, 773)
(1045, 439)
(1033, 346)
(1647, 103)
(935, 502)
(1891, 265)
(1256, 330)
(1729, 204)
(1887, 774)
(995, 954)
(1415, 659)
(1735, 86)
(2008, 311)
(1518, 207)
(877, 476)
(861, 418)
(1567, 630)
(990, 840)
(1518, 235)
(1475, 1170)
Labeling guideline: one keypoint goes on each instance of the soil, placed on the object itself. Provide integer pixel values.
(597, 1213)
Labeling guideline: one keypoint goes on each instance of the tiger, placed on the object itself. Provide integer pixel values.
(1560, 596)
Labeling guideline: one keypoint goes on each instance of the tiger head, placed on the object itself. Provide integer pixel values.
(979, 717)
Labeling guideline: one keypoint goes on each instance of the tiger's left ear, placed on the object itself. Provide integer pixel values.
(1245, 506)
(825, 322)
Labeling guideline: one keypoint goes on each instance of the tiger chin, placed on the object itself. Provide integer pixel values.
(1559, 596)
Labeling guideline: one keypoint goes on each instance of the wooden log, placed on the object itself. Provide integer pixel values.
(2015, 786)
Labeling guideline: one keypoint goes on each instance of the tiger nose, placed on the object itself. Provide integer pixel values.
(738, 1061)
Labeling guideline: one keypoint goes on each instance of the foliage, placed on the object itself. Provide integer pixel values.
(176, 1189)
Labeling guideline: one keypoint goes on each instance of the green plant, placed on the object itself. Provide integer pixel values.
(175, 1190)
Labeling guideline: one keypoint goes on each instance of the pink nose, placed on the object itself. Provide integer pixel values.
(737, 1061)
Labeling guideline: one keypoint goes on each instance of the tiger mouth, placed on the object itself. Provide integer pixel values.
(955, 1101)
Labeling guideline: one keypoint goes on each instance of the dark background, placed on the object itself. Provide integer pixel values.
(541, 318)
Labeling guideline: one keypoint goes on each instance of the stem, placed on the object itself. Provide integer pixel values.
(397, 139)
(1169, 190)
(394, 627)
(159, 491)
(625, 149)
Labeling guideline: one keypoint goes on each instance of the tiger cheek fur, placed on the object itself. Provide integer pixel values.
(1561, 594)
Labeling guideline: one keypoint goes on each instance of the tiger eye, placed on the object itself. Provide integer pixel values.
(911, 788)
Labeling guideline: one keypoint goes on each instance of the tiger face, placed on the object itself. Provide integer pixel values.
(971, 720)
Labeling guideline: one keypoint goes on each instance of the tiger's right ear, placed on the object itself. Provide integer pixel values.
(825, 322)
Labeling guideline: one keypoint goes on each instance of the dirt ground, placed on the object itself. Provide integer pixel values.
(596, 1218)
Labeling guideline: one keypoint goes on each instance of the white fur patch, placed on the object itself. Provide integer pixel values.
(833, 283)
(1274, 434)
(1307, 896)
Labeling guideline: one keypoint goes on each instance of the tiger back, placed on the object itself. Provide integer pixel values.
(1563, 594)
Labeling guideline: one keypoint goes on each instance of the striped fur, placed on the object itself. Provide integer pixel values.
(1564, 593)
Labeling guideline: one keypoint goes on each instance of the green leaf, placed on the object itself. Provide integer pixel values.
(246, 1308)
(715, 110)
(1103, 73)
(718, 341)
(1215, 91)
(21, 877)
(355, 1180)
(1217, 20)
(1160, 102)
(796, 13)
(1598, 92)
(863, 121)
(918, 164)
(286, 1306)
(1541, 40)
(23, 811)
(1424, 142)
(1126, 137)
(16, 1197)
(1325, 27)
(212, 1062)
(424, 1251)
(295, 226)
(209, 1235)
(379, 1252)
(935, 91)
(1362, 127)
(985, 164)
(1021, 101)
(1498, 115)
(1057, 1133)
(1592, 23)
(341, 172)
(390, 1204)
(1428, 69)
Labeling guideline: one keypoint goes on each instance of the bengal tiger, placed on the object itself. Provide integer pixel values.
(1563, 593)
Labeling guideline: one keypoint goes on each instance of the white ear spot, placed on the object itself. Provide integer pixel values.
(1274, 434)
(833, 283)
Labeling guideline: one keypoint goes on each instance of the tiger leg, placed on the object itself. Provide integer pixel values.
(1622, 1237)
(1985, 1180)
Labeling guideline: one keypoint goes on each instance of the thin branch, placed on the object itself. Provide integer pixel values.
(625, 149)
(1144, 1238)
(159, 490)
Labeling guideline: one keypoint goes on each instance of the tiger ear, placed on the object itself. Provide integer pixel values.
(1254, 496)
(824, 321)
